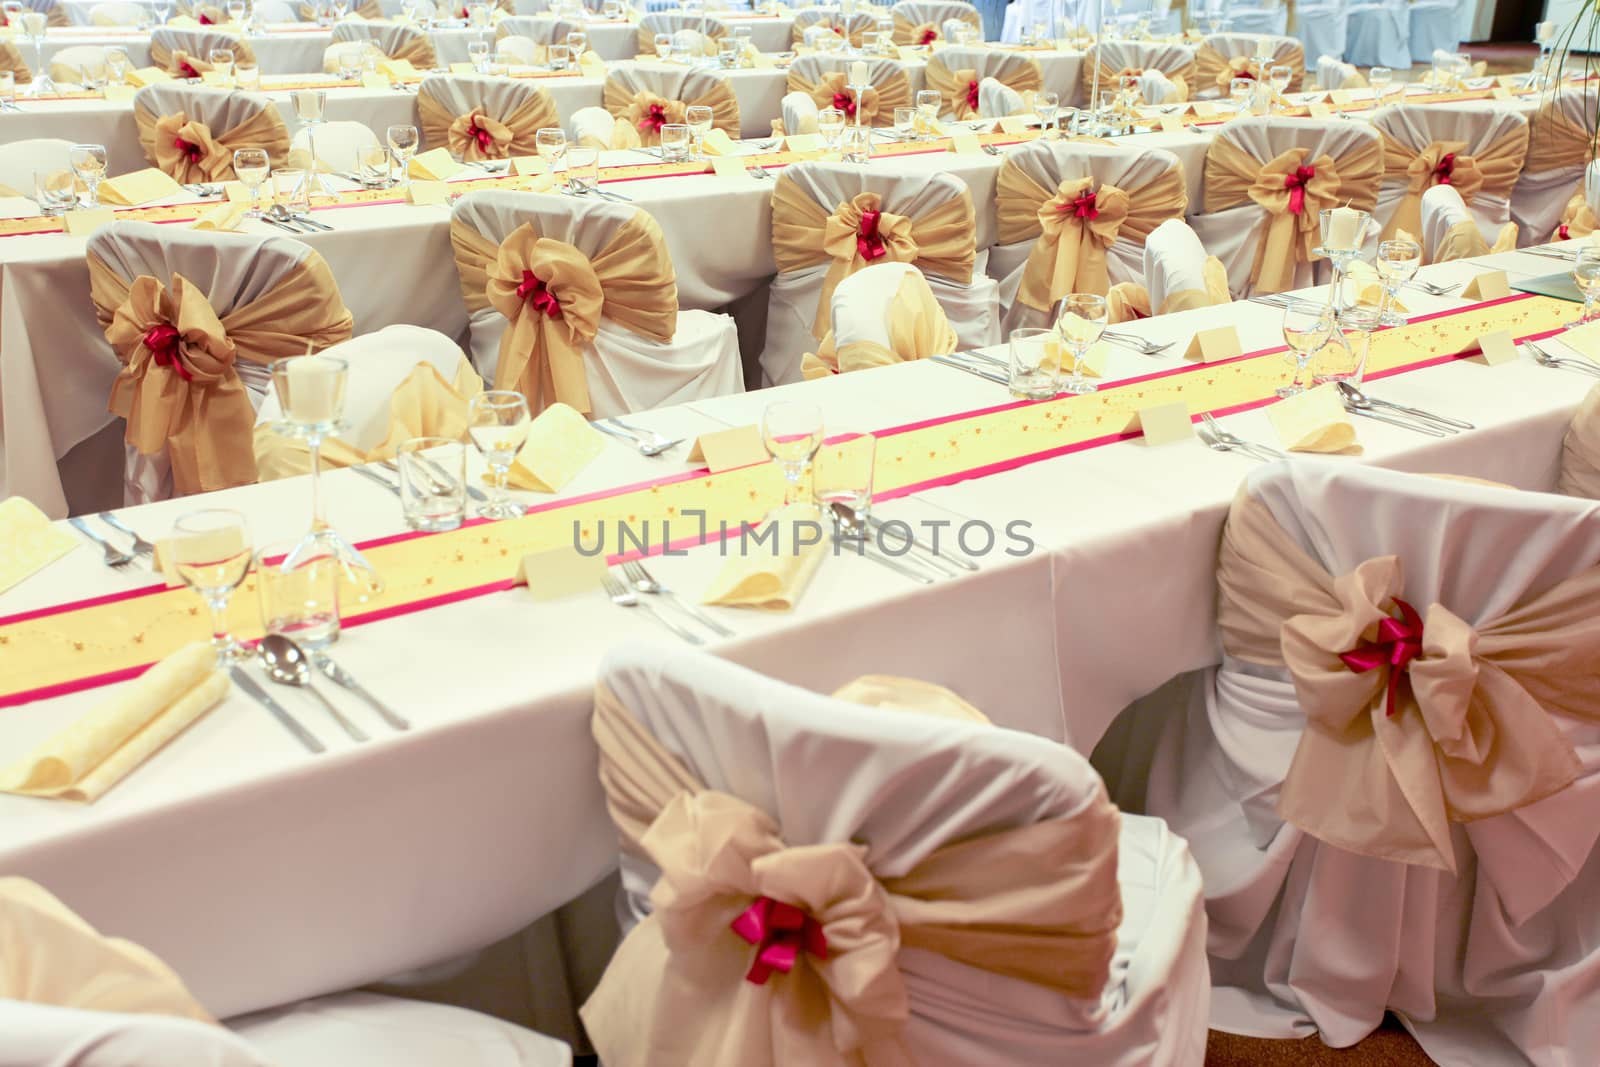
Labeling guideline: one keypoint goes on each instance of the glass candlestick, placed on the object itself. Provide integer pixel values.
(1343, 231)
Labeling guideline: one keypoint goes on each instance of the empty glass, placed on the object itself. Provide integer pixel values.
(1586, 273)
(698, 117)
(611, 10)
(349, 60)
(293, 190)
(298, 587)
(8, 90)
(211, 553)
(830, 124)
(222, 64)
(1306, 328)
(403, 144)
(89, 164)
(792, 433)
(1280, 75)
(1081, 320)
(551, 144)
(928, 104)
(374, 166)
(555, 57)
(236, 12)
(663, 46)
(247, 76)
(1045, 105)
(675, 142)
(433, 483)
(251, 166)
(1035, 363)
(1397, 264)
(855, 142)
(577, 44)
(478, 55)
(498, 421)
(583, 169)
(905, 123)
(1379, 79)
(1239, 92)
(730, 53)
(842, 473)
(117, 64)
(55, 190)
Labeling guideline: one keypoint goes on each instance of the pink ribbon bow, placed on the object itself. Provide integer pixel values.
(1399, 642)
(205, 20)
(929, 36)
(1083, 207)
(1296, 181)
(1444, 168)
(869, 244)
(972, 94)
(188, 72)
(780, 932)
(191, 151)
(162, 341)
(534, 291)
(845, 102)
(484, 138)
(654, 118)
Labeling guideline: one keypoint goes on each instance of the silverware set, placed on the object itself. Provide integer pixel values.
(981, 366)
(10, 105)
(759, 173)
(1138, 344)
(204, 190)
(1550, 253)
(286, 663)
(439, 479)
(299, 225)
(852, 534)
(640, 589)
(579, 189)
(116, 558)
(648, 442)
(1357, 402)
(1431, 288)
(1545, 359)
(1219, 440)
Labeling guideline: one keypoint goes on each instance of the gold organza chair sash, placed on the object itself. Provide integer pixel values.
(178, 388)
(180, 63)
(907, 32)
(1039, 903)
(797, 34)
(713, 32)
(415, 49)
(646, 112)
(11, 59)
(1129, 301)
(1211, 67)
(877, 103)
(479, 135)
(190, 152)
(1460, 730)
(917, 326)
(1580, 452)
(1493, 172)
(1465, 241)
(860, 233)
(1291, 189)
(1074, 225)
(553, 298)
(959, 88)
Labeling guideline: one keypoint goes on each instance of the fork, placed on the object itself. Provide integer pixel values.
(1432, 289)
(372, 475)
(634, 571)
(990, 149)
(658, 442)
(1546, 359)
(115, 557)
(141, 547)
(624, 597)
(1138, 344)
(1261, 452)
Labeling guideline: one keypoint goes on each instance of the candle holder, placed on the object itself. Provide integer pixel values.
(1343, 232)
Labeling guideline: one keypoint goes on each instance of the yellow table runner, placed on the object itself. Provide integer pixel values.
(96, 642)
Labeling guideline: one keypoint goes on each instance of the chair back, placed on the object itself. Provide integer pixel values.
(1448, 230)
(395, 40)
(1115, 58)
(481, 117)
(646, 96)
(1478, 149)
(800, 112)
(958, 72)
(919, 22)
(1222, 57)
(540, 29)
(849, 26)
(191, 132)
(1180, 274)
(708, 28)
(118, 13)
(1335, 73)
(825, 80)
(1549, 192)
(11, 59)
(78, 64)
(1580, 452)
(19, 159)
(879, 317)
(186, 53)
(338, 146)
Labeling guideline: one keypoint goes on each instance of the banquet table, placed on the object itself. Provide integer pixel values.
(358, 859)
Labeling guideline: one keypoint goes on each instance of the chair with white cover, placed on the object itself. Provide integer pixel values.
(11, 60)
(1433, 25)
(1549, 194)
(515, 50)
(1335, 73)
(1323, 28)
(19, 159)
(118, 13)
(339, 145)
(1269, 17)
(351, 56)
(996, 99)
(1450, 231)
(830, 220)
(1221, 57)
(55, 14)
(194, 318)
(77, 64)
(705, 30)
(575, 301)
(825, 79)
(595, 127)
(1115, 58)
(919, 22)
(958, 72)
(1406, 838)
(1379, 34)
(1580, 451)
(273, 12)
(1476, 149)
(191, 132)
(76, 998)
(850, 26)
(477, 117)
(185, 53)
(395, 40)
(879, 317)
(1073, 218)
(799, 114)
(1179, 273)
(1266, 180)
(647, 96)
(881, 814)
(542, 30)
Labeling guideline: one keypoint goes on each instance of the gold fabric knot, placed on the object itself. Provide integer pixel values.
(834, 90)
(1293, 192)
(1238, 67)
(1078, 224)
(647, 113)
(187, 151)
(477, 136)
(551, 298)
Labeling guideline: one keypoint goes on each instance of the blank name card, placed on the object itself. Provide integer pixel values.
(725, 450)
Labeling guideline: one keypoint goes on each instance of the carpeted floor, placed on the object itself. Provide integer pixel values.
(1388, 1046)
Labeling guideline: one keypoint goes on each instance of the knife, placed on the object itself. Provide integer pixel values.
(290, 723)
(959, 561)
(340, 676)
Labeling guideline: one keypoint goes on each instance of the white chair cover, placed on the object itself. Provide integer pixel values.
(1433, 26)
(625, 372)
(1004, 67)
(498, 97)
(1443, 209)
(799, 112)
(592, 127)
(1333, 72)
(390, 38)
(1058, 18)
(937, 12)
(705, 28)
(863, 303)
(814, 24)
(1233, 234)
(195, 42)
(1379, 35)
(1174, 262)
(70, 64)
(338, 145)
(1156, 88)
(1232, 45)
(903, 784)
(882, 74)
(539, 29)
(219, 109)
(1324, 29)
(671, 82)
(1169, 59)
(19, 159)
(1543, 189)
(1267, 16)
(232, 269)
(973, 308)
(1416, 126)
(118, 13)
(48, 1035)
(1494, 965)
(274, 12)
(517, 50)
(996, 99)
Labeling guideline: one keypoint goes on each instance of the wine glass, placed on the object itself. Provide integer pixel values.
(478, 55)
(1279, 75)
(792, 432)
(1046, 104)
(1080, 319)
(1306, 328)
(117, 64)
(830, 124)
(35, 24)
(251, 166)
(1239, 92)
(1379, 79)
(498, 421)
(577, 43)
(211, 552)
(403, 144)
(551, 144)
(1586, 273)
(89, 164)
(663, 46)
(1397, 264)
(222, 62)
(699, 119)
(236, 12)
(309, 105)
(12, 12)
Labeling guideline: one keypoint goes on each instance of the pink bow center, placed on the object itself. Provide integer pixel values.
(187, 71)
(845, 102)
(193, 152)
(1296, 181)
(1082, 207)
(869, 243)
(162, 341)
(929, 36)
(1444, 168)
(780, 933)
(655, 117)
(484, 138)
(533, 290)
(205, 20)
(1399, 642)
(972, 94)
(1247, 74)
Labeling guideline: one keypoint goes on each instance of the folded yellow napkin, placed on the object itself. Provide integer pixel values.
(1315, 421)
(147, 76)
(28, 541)
(908, 694)
(591, 65)
(96, 752)
(222, 217)
(434, 166)
(560, 444)
(139, 187)
(718, 143)
(1363, 277)
(399, 69)
(773, 574)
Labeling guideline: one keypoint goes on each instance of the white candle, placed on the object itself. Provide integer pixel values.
(858, 72)
(1344, 229)
(316, 389)
(1264, 48)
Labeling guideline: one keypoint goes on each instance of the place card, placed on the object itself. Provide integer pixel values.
(119, 94)
(434, 165)
(1341, 98)
(1165, 424)
(965, 143)
(1490, 285)
(1498, 347)
(238, 192)
(1202, 109)
(725, 450)
(1018, 124)
(1219, 342)
(804, 142)
(1584, 340)
(1319, 111)
(1170, 124)
(426, 193)
(371, 80)
(83, 223)
(399, 69)
(561, 572)
(527, 166)
(463, 68)
(731, 167)
(559, 445)
(29, 541)
(718, 143)
(1500, 92)
(1313, 421)
(591, 65)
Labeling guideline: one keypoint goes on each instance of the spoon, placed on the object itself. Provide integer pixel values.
(848, 527)
(287, 664)
(1354, 394)
(280, 214)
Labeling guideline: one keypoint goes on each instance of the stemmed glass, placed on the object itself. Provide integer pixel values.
(928, 104)
(236, 14)
(1379, 79)
(663, 46)
(162, 9)
(36, 25)
(1586, 273)
(222, 63)
(309, 105)
(577, 43)
(403, 144)
(1045, 105)
(551, 144)
(830, 124)
(1397, 264)
(1080, 319)
(211, 552)
(89, 164)
(792, 432)
(699, 119)
(117, 65)
(1306, 328)
(251, 166)
(1280, 75)
(498, 421)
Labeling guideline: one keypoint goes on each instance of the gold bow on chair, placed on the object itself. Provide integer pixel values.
(877, 103)
(647, 112)
(415, 49)
(1556, 142)
(1414, 719)
(191, 152)
(553, 298)
(1492, 171)
(11, 59)
(1465, 241)
(789, 954)
(478, 135)
(917, 327)
(911, 33)
(1181, 78)
(797, 35)
(181, 64)
(178, 388)
(1211, 67)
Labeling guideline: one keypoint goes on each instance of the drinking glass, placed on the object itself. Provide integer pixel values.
(674, 142)
(583, 169)
(8, 90)
(792, 432)
(1081, 320)
(577, 43)
(162, 9)
(855, 142)
(1379, 79)
(211, 553)
(478, 55)
(730, 53)
(480, 17)
(905, 123)
(92, 76)
(433, 482)
(551, 144)
(928, 104)
(1128, 94)
(292, 190)
(55, 190)
(89, 164)
(830, 124)
(1586, 273)
(403, 144)
(247, 76)
(498, 421)
(869, 42)
(349, 59)
(341, 8)
(309, 105)
(1035, 363)
(36, 25)
(374, 166)
(299, 592)
(1306, 328)
(663, 46)
(1239, 92)
(236, 11)
(117, 64)
(885, 28)
(1045, 105)
(1342, 361)
(1397, 263)
(555, 57)
(251, 166)
(1280, 75)
(698, 118)
(222, 62)
(842, 473)
(611, 10)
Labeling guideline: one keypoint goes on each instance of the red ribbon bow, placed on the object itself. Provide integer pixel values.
(162, 341)
(845, 102)
(188, 72)
(1563, 232)
(1083, 207)
(205, 21)
(655, 117)
(1247, 74)
(1399, 642)
(1444, 168)
(929, 36)
(779, 931)
(1296, 181)
(869, 244)
(191, 150)
(972, 94)
(534, 291)
(484, 138)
